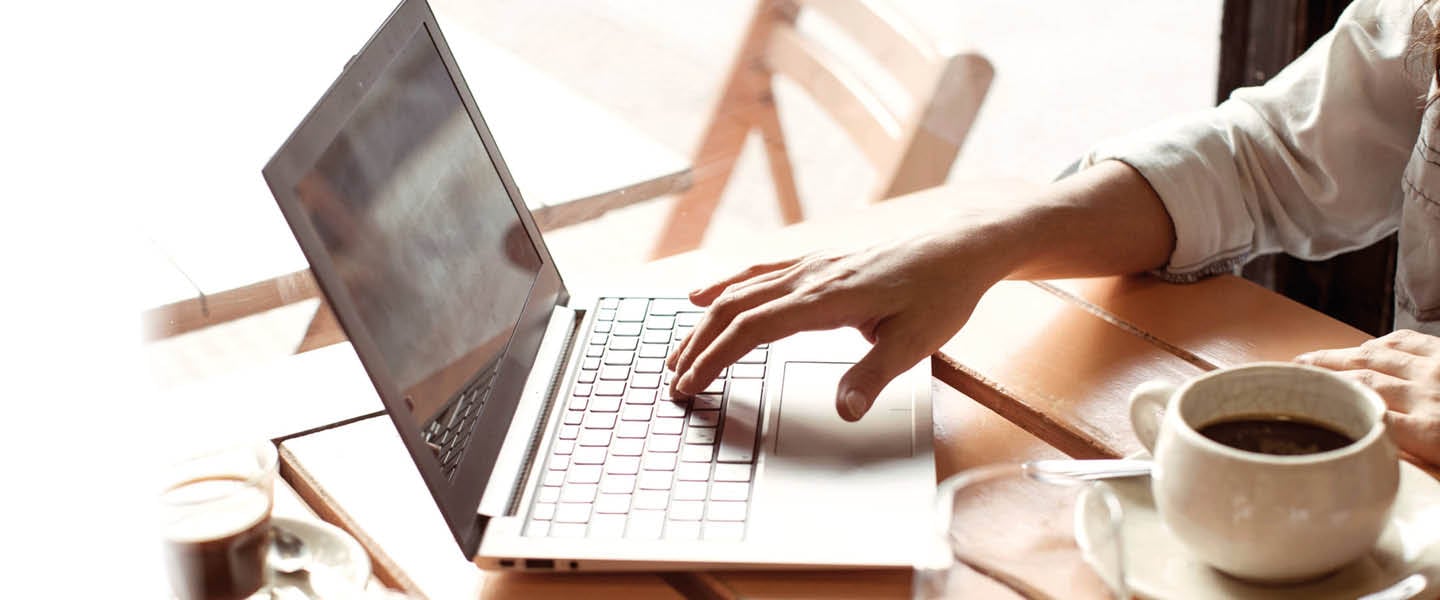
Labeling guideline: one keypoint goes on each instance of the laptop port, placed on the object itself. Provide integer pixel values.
(507, 562)
(539, 563)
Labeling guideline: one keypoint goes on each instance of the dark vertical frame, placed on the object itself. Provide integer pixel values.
(1257, 39)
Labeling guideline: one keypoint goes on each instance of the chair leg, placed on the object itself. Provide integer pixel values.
(778, 155)
(324, 329)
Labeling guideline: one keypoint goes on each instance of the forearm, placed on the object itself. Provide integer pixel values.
(1105, 220)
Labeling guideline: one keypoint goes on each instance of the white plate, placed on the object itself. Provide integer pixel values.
(1158, 566)
(338, 565)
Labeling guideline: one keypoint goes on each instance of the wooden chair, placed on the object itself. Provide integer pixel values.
(911, 149)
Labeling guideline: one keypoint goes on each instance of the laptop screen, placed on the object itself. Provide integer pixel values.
(425, 239)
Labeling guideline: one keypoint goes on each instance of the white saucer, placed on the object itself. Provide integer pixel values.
(1158, 566)
(338, 564)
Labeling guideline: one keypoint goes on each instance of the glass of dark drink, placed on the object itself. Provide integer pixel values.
(215, 522)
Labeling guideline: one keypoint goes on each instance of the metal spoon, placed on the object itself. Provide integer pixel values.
(288, 553)
(1063, 471)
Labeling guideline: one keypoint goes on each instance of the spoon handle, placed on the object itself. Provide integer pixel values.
(1086, 470)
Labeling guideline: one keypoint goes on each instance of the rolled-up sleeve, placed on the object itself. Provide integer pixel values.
(1309, 164)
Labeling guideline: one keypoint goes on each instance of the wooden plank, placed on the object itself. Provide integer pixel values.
(366, 483)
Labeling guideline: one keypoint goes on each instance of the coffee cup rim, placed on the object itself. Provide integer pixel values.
(1377, 429)
(270, 460)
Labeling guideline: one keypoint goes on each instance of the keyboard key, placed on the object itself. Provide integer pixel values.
(594, 351)
(607, 526)
(573, 417)
(623, 465)
(636, 412)
(660, 322)
(697, 453)
(569, 432)
(627, 447)
(694, 471)
(587, 376)
(681, 333)
(589, 455)
(729, 490)
(572, 513)
(650, 499)
(654, 350)
(654, 480)
(544, 512)
(655, 336)
(670, 306)
(684, 510)
(632, 429)
(732, 472)
(716, 387)
(664, 443)
(614, 373)
(594, 437)
(631, 309)
(650, 365)
(617, 484)
(648, 381)
(628, 329)
(601, 327)
(700, 435)
(580, 492)
(659, 462)
(583, 474)
(754, 356)
(682, 530)
(605, 404)
(599, 339)
(669, 409)
(560, 462)
(563, 447)
(538, 528)
(612, 504)
(610, 388)
(688, 319)
(621, 342)
(596, 420)
(742, 422)
(590, 364)
(722, 511)
(753, 371)
(722, 531)
(605, 314)
(581, 390)
(667, 426)
(707, 402)
(549, 495)
(689, 490)
(578, 403)
(700, 418)
(640, 397)
(554, 477)
(644, 524)
(567, 530)
(611, 303)
(616, 357)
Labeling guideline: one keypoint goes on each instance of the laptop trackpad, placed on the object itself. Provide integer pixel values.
(811, 428)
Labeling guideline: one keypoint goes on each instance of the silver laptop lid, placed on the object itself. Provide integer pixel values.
(424, 248)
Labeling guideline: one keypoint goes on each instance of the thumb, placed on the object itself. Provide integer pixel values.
(1417, 435)
(863, 382)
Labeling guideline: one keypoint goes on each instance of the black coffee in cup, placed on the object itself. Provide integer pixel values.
(1276, 434)
(218, 554)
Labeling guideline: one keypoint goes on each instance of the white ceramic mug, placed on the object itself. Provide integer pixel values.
(1260, 516)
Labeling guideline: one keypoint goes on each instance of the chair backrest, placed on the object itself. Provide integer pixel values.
(911, 147)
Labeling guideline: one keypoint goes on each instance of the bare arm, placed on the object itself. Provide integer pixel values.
(909, 296)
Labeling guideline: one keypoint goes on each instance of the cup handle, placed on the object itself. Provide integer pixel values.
(1147, 408)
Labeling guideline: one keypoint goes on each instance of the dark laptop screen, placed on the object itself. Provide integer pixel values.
(425, 238)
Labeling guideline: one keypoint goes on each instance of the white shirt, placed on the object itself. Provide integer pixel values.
(1335, 152)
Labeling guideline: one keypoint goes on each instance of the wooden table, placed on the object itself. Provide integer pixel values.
(211, 218)
(1048, 365)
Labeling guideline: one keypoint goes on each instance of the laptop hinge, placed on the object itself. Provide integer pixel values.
(526, 435)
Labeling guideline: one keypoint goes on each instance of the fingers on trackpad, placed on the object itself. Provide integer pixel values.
(809, 425)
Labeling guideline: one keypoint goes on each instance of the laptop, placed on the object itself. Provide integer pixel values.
(539, 417)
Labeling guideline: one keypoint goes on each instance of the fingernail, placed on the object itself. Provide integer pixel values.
(855, 405)
(696, 291)
(683, 384)
(1305, 358)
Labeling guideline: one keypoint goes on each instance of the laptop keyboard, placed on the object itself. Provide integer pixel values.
(628, 461)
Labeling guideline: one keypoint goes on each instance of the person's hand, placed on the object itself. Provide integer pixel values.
(1404, 367)
(906, 297)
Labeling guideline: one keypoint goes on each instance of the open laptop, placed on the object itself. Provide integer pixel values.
(540, 419)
